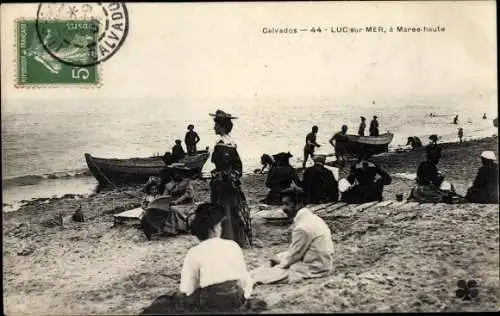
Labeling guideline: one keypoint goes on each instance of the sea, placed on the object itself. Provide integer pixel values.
(44, 141)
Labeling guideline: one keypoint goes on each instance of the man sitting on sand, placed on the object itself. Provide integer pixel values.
(177, 151)
(485, 187)
(280, 177)
(319, 183)
(214, 276)
(170, 212)
(368, 181)
(429, 181)
(310, 254)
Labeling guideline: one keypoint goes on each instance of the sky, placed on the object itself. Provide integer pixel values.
(218, 50)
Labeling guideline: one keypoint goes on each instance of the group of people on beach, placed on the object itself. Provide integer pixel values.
(177, 153)
(214, 276)
(338, 139)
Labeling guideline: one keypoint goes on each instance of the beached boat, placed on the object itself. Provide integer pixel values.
(137, 170)
(373, 145)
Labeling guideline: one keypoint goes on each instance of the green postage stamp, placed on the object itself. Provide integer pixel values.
(56, 53)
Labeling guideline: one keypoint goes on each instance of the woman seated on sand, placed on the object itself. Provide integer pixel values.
(280, 177)
(430, 188)
(169, 202)
(214, 276)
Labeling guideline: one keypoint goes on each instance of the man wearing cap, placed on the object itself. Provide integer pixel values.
(281, 175)
(362, 126)
(368, 180)
(310, 254)
(177, 151)
(310, 145)
(191, 139)
(374, 126)
(340, 139)
(319, 183)
(485, 186)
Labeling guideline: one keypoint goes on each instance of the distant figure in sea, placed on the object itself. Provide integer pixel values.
(430, 181)
(362, 126)
(367, 180)
(177, 151)
(280, 177)
(319, 183)
(431, 115)
(460, 134)
(374, 127)
(485, 186)
(267, 162)
(414, 142)
(484, 116)
(310, 145)
(191, 139)
(225, 184)
(340, 139)
(455, 120)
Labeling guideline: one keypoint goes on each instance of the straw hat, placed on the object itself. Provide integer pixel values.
(282, 156)
(488, 155)
(223, 115)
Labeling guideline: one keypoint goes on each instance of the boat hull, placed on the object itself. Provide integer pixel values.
(137, 170)
(355, 145)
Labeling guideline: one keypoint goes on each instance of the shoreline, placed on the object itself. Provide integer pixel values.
(396, 260)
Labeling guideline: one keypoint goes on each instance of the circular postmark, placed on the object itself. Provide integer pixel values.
(82, 34)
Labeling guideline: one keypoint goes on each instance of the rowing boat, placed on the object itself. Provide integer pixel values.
(137, 170)
(355, 145)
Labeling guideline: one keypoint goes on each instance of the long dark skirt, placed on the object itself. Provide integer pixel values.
(364, 193)
(232, 199)
(226, 297)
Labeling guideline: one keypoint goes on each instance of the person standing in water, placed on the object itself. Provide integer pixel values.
(362, 126)
(484, 116)
(225, 184)
(191, 139)
(374, 126)
(310, 145)
(460, 134)
(455, 120)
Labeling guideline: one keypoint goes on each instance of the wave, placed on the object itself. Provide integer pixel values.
(35, 178)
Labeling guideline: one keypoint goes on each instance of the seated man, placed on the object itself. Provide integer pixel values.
(280, 177)
(170, 211)
(310, 254)
(485, 187)
(177, 151)
(430, 180)
(214, 276)
(367, 180)
(319, 183)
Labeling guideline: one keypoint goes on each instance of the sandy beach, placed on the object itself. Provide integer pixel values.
(387, 259)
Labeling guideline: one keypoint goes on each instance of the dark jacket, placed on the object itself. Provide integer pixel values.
(191, 138)
(177, 153)
(427, 174)
(278, 179)
(485, 186)
(374, 128)
(320, 185)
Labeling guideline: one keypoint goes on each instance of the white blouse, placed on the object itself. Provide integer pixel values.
(214, 261)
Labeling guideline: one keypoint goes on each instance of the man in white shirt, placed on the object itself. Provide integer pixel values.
(310, 254)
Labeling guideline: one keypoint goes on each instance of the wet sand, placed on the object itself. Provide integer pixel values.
(394, 259)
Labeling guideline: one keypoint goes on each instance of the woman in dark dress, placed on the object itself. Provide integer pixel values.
(225, 184)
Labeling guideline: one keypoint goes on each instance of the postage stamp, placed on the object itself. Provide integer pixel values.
(66, 43)
(36, 66)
